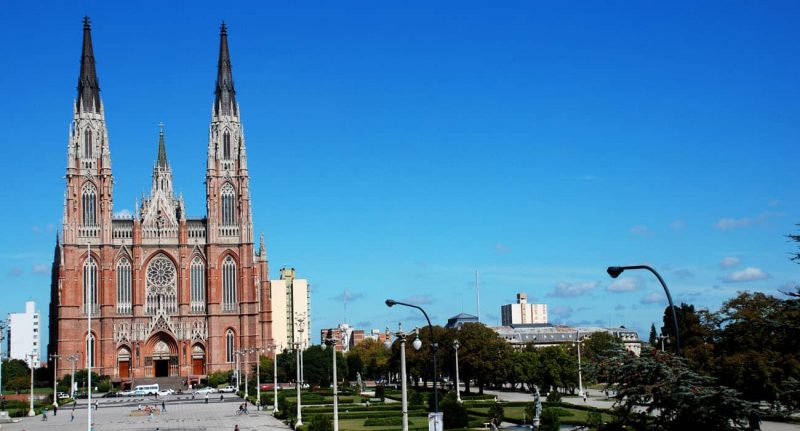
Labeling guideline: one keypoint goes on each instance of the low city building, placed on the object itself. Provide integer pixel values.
(460, 319)
(24, 334)
(544, 335)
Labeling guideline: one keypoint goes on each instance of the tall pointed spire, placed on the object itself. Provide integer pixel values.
(162, 148)
(88, 87)
(225, 94)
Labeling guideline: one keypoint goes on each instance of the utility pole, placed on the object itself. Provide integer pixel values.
(55, 357)
(30, 411)
(72, 358)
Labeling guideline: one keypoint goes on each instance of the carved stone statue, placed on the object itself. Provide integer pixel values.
(537, 402)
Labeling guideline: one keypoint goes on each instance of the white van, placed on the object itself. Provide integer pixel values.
(146, 389)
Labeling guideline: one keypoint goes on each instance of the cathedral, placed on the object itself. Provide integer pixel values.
(168, 295)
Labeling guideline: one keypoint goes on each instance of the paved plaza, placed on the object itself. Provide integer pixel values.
(182, 413)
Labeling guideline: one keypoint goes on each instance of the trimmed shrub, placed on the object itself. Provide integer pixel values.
(549, 420)
(496, 411)
(416, 398)
(554, 397)
(594, 419)
(380, 392)
(455, 414)
(320, 423)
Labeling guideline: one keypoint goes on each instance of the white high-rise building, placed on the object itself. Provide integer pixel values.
(523, 313)
(24, 336)
(290, 305)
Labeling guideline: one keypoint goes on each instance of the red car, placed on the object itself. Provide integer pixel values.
(268, 386)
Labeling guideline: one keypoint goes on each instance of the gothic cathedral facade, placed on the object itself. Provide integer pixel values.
(169, 295)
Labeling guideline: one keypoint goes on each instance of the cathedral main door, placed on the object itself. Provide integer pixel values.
(162, 360)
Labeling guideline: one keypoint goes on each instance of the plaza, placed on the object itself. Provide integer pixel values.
(182, 413)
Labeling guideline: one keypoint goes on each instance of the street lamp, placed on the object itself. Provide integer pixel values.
(615, 271)
(30, 411)
(73, 358)
(246, 354)
(580, 378)
(458, 382)
(258, 350)
(404, 380)
(390, 303)
(332, 341)
(274, 348)
(299, 422)
(2, 336)
(54, 357)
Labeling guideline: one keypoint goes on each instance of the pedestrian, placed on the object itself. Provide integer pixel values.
(96, 404)
(584, 397)
(236, 428)
(221, 397)
(206, 397)
(55, 409)
(163, 406)
(72, 416)
(44, 414)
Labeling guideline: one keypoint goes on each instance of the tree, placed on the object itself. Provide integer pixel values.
(15, 368)
(482, 354)
(81, 378)
(354, 366)
(215, 378)
(454, 413)
(653, 335)
(18, 383)
(266, 368)
(374, 356)
(497, 413)
(549, 420)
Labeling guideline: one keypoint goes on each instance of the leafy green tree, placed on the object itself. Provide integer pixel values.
(287, 366)
(18, 383)
(374, 356)
(454, 413)
(482, 355)
(497, 412)
(599, 345)
(594, 419)
(653, 335)
(15, 368)
(266, 369)
(549, 420)
(354, 366)
(216, 378)
(81, 378)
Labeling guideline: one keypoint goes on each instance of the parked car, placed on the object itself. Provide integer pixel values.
(81, 395)
(165, 392)
(202, 391)
(126, 393)
(110, 395)
(61, 395)
(228, 389)
(269, 387)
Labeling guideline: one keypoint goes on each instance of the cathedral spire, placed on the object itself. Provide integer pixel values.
(225, 94)
(88, 87)
(162, 148)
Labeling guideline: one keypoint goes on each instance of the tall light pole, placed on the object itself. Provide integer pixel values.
(258, 351)
(390, 303)
(332, 341)
(2, 337)
(580, 378)
(274, 378)
(300, 320)
(55, 357)
(615, 271)
(246, 354)
(404, 380)
(238, 354)
(90, 339)
(458, 382)
(72, 358)
(30, 411)
(299, 422)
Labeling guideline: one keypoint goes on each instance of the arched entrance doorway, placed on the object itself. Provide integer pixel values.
(198, 360)
(161, 356)
(124, 362)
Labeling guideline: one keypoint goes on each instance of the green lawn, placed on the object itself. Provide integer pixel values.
(516, 413)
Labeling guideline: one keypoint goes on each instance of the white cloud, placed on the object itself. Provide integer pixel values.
(677, 225)
(41, 268)
(571, 290)
(736, 223)
(640, 230)
(653, 298)
(15, 271)
(501, 248)
(748, 274)
(627, 284)
(347, 295)
(729, 261)
(417, 299)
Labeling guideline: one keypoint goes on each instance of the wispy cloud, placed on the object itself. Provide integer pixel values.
(561, 311)
(41, 268)
(15, 271)
(623, 285)
(501, 248)
(677, 225)
(729, 223)
(348, 296)
(571, 290)
(683, 273)
(640, 230)
(748, 274)
(417, 299)
(729, 261)
(653, 298)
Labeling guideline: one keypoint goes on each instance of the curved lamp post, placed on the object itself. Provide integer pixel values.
(390, 303)
(401, 336)
(615, 271)
(456, 345)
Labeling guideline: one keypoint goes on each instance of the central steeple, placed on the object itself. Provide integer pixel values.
(88, 87)
(225, 94)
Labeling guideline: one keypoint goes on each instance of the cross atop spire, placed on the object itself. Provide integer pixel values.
(88, 86)
(162, 148)
(225, 94)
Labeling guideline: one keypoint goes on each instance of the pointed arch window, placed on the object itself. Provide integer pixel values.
(226, 145)
(90, 293)
(90, 350)
(228, 194)
(228, 284)
(230, 346)
(124, 286)
(198, 283)
(89, 205)
(87, 144)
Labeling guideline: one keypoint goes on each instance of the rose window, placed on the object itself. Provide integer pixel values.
(160, 274)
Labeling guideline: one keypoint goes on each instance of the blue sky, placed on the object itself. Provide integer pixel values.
(395, 149)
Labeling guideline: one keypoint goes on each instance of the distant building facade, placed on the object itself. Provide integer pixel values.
(291, 311)
(522, 312)
(460, 319)
(348, 337)
(24, 336)
(544, 335)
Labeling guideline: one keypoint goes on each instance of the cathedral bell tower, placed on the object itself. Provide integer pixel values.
(88, 198)
(227, 181)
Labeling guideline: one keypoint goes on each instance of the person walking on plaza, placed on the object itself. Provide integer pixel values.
(236, 428)
(55, 409)
(44, 414)
(72, 416)
(96, 404)
(163, 406)
(206, 397)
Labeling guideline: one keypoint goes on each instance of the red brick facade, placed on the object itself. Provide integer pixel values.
(174, 296)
